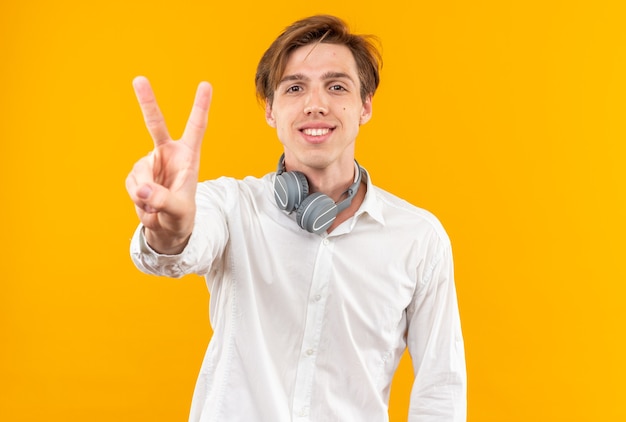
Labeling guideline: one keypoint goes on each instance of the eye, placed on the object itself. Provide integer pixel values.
(337, 87)
(294, 88)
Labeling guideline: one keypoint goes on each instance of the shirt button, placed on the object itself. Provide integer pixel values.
(326, 242)
(310, 352)
(317, 298)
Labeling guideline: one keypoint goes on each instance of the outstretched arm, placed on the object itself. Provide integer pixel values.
(163, 184)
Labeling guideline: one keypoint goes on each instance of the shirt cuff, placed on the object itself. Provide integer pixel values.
(150, 261)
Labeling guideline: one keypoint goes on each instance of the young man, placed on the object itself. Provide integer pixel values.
(319, 280)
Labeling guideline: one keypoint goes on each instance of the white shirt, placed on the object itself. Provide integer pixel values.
(309, 327)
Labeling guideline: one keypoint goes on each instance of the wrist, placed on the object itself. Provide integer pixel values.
(166, 244)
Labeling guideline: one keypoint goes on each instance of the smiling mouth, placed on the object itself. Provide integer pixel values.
(316, 131)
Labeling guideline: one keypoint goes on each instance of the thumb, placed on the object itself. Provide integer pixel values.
(153, 197)
(144, 192)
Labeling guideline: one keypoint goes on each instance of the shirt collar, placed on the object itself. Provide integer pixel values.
(371, 203)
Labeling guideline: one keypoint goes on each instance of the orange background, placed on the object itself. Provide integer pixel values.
(504, 118)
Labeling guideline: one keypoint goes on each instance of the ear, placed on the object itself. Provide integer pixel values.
(269, 114)
(366, 111)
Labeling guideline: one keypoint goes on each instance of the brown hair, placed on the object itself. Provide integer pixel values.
(320, 28)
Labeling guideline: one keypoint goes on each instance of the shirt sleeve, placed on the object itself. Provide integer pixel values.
(435, 342)
(205, 245)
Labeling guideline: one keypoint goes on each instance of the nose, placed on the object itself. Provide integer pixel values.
(315, 109)
(315, 105)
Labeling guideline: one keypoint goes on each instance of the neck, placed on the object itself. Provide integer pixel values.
(338, 188)
(333, 181)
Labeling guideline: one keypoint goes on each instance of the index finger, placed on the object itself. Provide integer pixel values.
(150, 109)
(199, 116)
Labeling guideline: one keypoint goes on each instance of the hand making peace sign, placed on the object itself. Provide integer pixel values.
(163, 184)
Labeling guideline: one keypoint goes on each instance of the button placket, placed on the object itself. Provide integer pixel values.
(312, 330)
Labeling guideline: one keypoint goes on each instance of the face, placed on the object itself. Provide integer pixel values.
(317, 108)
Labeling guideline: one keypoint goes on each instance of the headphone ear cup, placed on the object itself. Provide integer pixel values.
(316, 213)
(290, 189)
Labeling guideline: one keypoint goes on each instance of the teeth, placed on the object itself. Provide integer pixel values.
(316, 132)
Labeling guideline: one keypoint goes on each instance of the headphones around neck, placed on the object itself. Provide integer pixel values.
(315, 212)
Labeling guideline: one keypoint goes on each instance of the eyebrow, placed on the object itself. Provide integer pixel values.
(325, 76)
